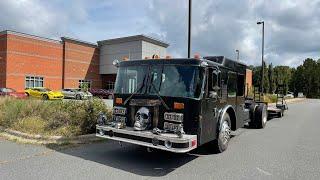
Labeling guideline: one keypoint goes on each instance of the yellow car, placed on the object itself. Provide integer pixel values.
(43, 93)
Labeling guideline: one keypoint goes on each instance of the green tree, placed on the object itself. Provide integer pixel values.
(271, 79)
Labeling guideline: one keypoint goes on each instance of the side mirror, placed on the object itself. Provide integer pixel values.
(213, 94)
(116, 63)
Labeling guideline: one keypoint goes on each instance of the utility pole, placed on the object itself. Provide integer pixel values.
(262, 66)
(238, 55)
(189, 29)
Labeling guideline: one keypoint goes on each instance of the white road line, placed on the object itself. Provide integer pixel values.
(264, 172)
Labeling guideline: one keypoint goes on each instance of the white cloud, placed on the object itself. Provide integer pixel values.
(292, 28)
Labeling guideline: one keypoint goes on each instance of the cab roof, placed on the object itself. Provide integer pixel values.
(220, 61)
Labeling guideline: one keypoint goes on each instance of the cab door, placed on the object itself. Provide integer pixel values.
(209, 106)
(242, 112)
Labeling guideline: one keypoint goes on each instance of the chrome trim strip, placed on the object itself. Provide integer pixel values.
(172, 137)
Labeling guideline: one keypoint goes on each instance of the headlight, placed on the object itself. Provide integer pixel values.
(101, 119)
(176, 117)
(119, 110)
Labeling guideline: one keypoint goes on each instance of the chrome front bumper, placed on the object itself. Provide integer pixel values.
(146, 138)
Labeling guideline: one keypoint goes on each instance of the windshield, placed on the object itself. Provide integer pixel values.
(130, 78)
(44, 89)
(166, 80)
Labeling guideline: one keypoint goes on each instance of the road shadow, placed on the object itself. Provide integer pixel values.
(131, 158)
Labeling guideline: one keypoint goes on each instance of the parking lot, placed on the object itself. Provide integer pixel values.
(288, 148)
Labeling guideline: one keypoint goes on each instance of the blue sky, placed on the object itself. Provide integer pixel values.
(219, 26)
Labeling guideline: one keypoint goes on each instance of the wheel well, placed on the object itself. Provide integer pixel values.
(233, 118)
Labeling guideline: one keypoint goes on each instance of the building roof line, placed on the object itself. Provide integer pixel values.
(29, 36)
(78, 41)
(141, 37)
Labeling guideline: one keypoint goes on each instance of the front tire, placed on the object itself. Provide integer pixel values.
(45, 97)
(224, 134)
(78, 97)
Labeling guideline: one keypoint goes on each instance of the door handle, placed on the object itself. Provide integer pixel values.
(214, 110)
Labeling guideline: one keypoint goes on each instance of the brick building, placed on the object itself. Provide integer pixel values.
(32, 61)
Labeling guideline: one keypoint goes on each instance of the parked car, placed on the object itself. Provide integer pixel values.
(102, 93)
(76, 94)
(289, 95)
(13, 93)
(43, 93)
(300, 95)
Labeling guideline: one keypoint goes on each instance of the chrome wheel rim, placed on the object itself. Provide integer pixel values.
(225, 132)
(264, 117)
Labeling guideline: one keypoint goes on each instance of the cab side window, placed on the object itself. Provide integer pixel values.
(240, 85)
(213, 83)
(232, 84)
(210, 80)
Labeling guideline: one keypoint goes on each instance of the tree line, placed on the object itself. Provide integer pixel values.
(305, 78)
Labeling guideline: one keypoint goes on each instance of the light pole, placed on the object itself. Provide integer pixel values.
(238, 52)
(262, 66)
(189, 28)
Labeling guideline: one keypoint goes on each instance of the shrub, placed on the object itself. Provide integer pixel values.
(34, 125)
(51, 117)
(270, 98)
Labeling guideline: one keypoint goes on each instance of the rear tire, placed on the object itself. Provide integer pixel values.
(223, 137)
(252, 123)
(261, 116)
(280, 114)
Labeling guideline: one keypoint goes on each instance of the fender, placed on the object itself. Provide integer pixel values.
(222, 112)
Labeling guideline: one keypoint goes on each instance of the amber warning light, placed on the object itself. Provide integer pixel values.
(118, 100)
(177, 105)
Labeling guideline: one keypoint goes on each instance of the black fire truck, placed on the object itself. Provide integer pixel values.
(178, 105)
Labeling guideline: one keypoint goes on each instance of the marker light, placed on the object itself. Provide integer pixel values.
(118, 100)
(197, 56)
(177, 105)
(193, 142)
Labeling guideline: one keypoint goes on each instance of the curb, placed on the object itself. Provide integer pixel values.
(39, 139)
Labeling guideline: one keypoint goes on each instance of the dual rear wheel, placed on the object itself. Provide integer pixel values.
(259, 116)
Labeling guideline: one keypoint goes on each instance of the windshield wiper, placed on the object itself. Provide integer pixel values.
(136, 91)
(158, 95)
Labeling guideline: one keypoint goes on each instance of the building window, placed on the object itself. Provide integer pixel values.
(33, 81)
(110, 85)
(83, 83)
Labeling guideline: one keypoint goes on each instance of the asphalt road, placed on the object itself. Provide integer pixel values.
(288, 148)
